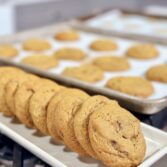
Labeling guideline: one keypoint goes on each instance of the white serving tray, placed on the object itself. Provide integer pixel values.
(58, 155)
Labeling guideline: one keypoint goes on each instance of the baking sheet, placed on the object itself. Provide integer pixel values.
(58, 155)
(138, 67)
(115, 20)
(153, 104)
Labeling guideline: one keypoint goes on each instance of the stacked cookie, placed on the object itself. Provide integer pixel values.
(92, 126)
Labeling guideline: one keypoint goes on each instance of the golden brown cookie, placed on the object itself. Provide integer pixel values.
(52, 129)
(11, 88)
(103, 45)
(75, 54)
(131, 85)
(40, 61)
(81, 121)
(157, 73)
(69, 35)
(38, 106)
(64, 118)
(7, 74)
(88, 73)
(116, 136)
(143, 51)
(35, 44)
(112, 63)
(8, 51)
(23, 96)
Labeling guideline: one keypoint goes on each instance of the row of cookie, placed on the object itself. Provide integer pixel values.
(90, 125)
(139, 51)
(106, 63)
(132, 85)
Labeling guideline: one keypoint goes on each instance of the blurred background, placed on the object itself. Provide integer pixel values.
(17, 15)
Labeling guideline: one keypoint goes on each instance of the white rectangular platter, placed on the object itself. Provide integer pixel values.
(58, 155)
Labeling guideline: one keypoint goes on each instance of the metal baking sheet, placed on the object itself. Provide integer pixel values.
(130, 24)
(153, 104)
(57, 155)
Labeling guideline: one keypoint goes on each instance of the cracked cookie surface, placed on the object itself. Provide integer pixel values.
(36, 44)
(88, 73)
(7, 74)
(38, 106)
(117, 141)
(143, 51)
(131, 85)
(68, 35)
(157, 73)
(11, 88)
(103, 45)
(81, 120)
(23, 96)
(75, 54)
(112, 63)
(64, 118)
(8, 51)
(40, 61)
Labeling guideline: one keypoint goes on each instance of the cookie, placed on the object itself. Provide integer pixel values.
(112, 63)
(116, 137)
(35, 44)
(131, 85)
(8, 51)
(7, 74)
(38, 106)
(64, 117)
(23, 96)
(81, 120)
(11, 88)
(157, 73)
(52, 129)
(40, 61)
(143, 51)
(69, 35)
(103, 45)
(75, 54)
(88, 73)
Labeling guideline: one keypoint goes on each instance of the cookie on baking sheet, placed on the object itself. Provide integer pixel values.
(64, 117)
(23, 96)
(75, 54)
(8, 51)
(7, 74)
(112, 63)
(88, 73)
(143, 51)
(116, 137)
(131, 85)
(40, 61)
(11, 88)
(38, 106)
(157, 73)
(103, 45)
(36, 44)
(81, 120)
(68, 35)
